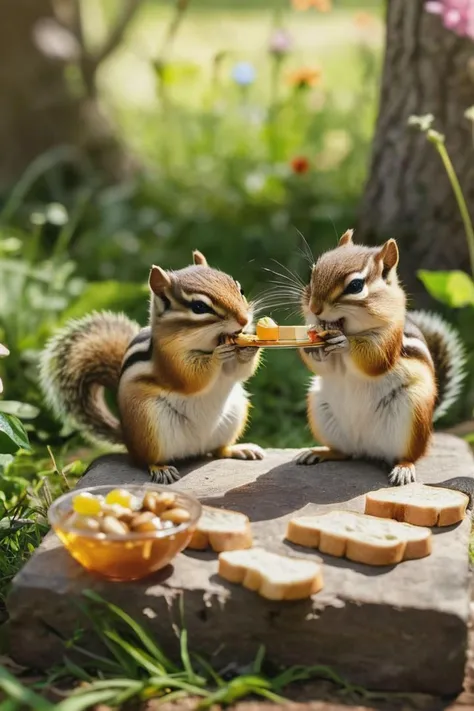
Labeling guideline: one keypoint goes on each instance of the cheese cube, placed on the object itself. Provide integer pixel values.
(287, 333)
(301, 333)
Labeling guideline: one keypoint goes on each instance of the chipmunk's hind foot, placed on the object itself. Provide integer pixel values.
(403, 473)
(247, 452)
(318, 455)
(163, 474)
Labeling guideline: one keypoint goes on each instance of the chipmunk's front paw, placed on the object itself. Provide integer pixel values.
(404, 473)
(245, 355)
(248, 452)
(334, 342)
(163, 474)
(226, 352)
(318, 455)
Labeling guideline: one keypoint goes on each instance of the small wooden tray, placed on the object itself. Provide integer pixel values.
(245, 342)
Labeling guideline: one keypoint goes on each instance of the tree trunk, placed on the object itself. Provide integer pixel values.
(38, 109)
(427, 69)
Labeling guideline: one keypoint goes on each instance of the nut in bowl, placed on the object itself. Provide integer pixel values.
(125, 534)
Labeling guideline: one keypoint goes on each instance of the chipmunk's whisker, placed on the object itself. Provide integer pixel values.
(283, 287)
(291, 278)
(282, 299)
(293, 275)
(306, 251)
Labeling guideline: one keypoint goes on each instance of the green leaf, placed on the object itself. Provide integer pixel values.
(454, 288)
(19, 409)
(98, 296)
(12, 435)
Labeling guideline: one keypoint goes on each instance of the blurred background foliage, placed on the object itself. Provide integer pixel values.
(239, 125)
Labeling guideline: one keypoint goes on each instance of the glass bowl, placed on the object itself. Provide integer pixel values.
(130, 556)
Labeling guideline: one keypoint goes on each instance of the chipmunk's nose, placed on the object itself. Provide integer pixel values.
(242, 319)
(316, 307)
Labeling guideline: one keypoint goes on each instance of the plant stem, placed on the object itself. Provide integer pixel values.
(173, 27)
(453, 179)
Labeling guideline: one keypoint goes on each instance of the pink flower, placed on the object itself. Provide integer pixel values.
(280, 42)
(457, 15)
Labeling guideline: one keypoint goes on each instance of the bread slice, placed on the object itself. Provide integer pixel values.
(273, 576)
(418, 504)
(221, 530)
(360, 538)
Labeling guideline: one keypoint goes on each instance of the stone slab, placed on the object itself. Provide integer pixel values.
(400, 628)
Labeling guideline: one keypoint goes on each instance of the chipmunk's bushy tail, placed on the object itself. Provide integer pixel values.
(79, 363)
(448, 355)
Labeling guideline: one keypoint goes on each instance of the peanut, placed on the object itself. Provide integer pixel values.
(148, 525)
(84, 523)
(114, 527)
(176, 515)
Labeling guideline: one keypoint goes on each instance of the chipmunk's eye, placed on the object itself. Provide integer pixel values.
(354, 287)
(200, 307)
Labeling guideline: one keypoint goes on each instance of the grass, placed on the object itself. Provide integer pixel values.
(134, 667)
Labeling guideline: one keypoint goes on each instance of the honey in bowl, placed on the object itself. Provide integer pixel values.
(125, 534)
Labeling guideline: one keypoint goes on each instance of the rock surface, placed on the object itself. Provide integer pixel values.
(400, 628)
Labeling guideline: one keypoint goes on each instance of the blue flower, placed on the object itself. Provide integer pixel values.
(243, 73)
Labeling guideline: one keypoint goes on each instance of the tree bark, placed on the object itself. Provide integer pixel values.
(427, 69)
(38, 109)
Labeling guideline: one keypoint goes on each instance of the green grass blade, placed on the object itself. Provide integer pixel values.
(101, 626)
(100, 662)
(86, 700)
(185, 658)
(260, 656)
(139, 631)
(10, 705)
(167, 698)
(266, 694)
(138, 656)
(208, 669)
(113, 684)
(15, 691)
(76, 671)
(164, 682)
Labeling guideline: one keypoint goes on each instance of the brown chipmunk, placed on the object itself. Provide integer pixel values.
(384, 374)
(179, 386)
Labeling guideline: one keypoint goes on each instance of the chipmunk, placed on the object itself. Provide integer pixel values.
(384, 374)
(179, 385)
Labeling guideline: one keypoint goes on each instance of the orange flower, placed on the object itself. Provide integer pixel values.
(364, 20)
(321, 5)
(299, 164)
(304, 77)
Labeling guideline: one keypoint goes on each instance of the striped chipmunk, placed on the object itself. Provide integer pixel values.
(179, 386)
(384, 374)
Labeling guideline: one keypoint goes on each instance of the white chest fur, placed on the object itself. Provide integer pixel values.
(362, 416)
(198, 424)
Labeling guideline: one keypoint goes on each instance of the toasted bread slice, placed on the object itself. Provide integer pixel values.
(273, 576)
(361, 538)
(418, 504)
(221, 530)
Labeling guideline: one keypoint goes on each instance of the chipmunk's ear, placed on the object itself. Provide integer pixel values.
(346, 238)
(159, 280)
(199, 258)
(388, 256)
